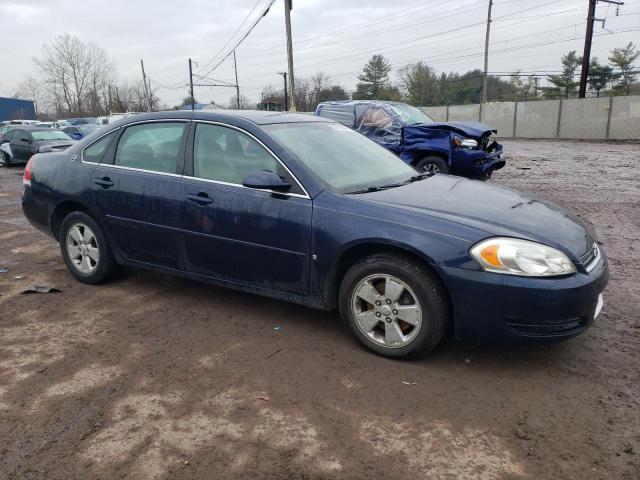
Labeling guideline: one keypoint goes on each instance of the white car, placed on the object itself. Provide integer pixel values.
(117, 116)
(23, 122)
(48, 124)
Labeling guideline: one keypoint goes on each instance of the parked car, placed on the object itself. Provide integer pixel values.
(117, 116)
(78, 132)
(266, 203)
(23, 122)
(48, 124)
(82, 121)
(25, 142)
(459, 148)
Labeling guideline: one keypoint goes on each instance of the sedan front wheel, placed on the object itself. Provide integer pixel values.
(394, 305)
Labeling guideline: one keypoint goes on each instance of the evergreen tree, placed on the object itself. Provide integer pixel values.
(374, 80)
(599, 76)
(623, 58)
(564, 84)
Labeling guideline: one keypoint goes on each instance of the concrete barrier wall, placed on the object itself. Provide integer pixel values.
(499, 115)
(439, 114)
(584, 118)
(614, 118)
(625, 118)
(464, 112)
(537, 119)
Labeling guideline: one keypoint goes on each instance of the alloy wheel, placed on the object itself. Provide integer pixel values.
(386, 310)
(432, 168)
(82, 247)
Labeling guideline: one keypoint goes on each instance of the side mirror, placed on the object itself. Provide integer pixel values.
(265, 180)
(45, 149)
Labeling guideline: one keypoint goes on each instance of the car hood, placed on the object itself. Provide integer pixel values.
(495, 210)
(469, 129)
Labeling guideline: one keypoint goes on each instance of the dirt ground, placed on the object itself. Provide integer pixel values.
(154, 377)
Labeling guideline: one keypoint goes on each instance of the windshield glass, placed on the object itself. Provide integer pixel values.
(411, 114)
(341, 157)
(50, 135)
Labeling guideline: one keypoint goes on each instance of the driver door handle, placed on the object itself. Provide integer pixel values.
(201, 198)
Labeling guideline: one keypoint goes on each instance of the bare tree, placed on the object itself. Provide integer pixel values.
(75, 74)
(30, 89)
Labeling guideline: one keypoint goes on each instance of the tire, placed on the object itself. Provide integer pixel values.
(85, 249)
(432, 164)
(5, 160)
(414, 285)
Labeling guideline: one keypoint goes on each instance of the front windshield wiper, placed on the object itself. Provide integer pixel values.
(420, 176)
(376, 188)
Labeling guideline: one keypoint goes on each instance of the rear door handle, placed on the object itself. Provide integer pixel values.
(201, 198)
(103, 182)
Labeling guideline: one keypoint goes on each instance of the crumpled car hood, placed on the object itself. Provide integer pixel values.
(469, 129)
(496, 210)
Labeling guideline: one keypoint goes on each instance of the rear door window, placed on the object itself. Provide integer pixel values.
(151, 146)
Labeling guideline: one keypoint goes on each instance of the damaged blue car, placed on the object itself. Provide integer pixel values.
(459, 148)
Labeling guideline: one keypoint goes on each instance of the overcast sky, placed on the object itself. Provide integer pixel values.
(333, 36)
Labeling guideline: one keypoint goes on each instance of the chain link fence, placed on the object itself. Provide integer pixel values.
(606, 118)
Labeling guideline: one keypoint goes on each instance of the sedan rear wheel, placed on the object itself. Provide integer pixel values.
(85, 249)
(394, 305)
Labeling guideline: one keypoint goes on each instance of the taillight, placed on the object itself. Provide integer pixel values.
(26, 178)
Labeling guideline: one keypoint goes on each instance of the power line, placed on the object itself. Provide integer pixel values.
(233, 35)
(266, 10)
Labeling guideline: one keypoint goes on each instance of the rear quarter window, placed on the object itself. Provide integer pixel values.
(94, 152)
(340, 113)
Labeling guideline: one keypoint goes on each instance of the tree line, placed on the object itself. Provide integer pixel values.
(77, 78)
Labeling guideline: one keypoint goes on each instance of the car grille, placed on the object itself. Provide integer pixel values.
(559, 328)
(591, 257)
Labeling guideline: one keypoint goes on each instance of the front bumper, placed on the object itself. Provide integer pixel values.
(489, 306)
(477, 163)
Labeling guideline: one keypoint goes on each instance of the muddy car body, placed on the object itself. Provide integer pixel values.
(264, 202)
(467, 149)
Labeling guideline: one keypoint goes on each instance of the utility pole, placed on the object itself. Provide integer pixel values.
(235, 66)
(588, 38)
(535, 87)
(110, 104)
(292, 83)
(485, 79)
(144, 83)
(193, 101)
(286, 105)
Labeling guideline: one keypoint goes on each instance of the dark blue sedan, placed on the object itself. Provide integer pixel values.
(304, 209)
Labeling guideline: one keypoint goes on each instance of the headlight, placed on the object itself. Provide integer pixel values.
(465, 142)
(513, 256)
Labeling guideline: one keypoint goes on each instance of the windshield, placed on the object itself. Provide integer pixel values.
(49, 135)
(341, 157)
(411, 114)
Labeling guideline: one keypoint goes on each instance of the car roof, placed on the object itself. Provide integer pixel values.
(257, 117)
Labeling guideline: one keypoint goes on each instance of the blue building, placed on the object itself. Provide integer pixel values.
(14, 108)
